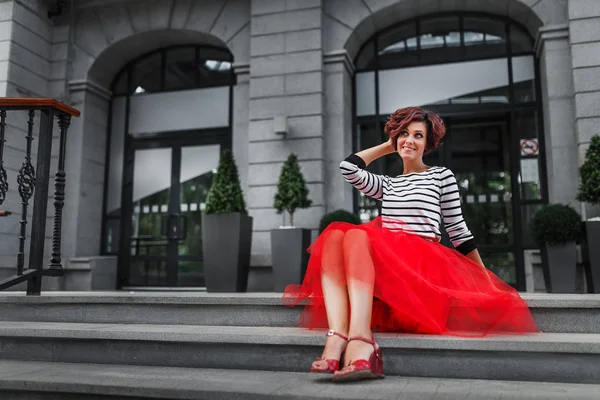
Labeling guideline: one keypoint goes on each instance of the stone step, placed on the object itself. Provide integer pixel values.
(45, 381)
(547, 357)
(577, 313)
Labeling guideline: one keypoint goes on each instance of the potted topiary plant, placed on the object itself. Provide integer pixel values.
(226, 231)
(338, 216)
(557, 228)
(289, 243)
(589, 192)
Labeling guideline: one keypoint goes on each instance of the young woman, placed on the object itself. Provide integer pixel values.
(391, 274)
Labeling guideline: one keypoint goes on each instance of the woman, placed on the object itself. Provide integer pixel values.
(392, 274)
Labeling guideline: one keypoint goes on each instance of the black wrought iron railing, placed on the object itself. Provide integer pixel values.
(34, 182)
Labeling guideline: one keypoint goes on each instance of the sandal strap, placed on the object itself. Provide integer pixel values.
(370, 341)
(331, 332)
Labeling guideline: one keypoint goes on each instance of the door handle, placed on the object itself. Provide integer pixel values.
(172, 226)
(175, 230)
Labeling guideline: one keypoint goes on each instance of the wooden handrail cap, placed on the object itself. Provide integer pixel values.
(32, 102)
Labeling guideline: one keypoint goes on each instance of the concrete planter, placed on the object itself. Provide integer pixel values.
(226, 243)
(590, 253)
(559, 263)
(290, 258)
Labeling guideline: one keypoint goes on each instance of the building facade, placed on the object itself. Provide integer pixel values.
(164, 85)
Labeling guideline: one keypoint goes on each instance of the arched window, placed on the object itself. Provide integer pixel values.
(479, 73)
(170, 118)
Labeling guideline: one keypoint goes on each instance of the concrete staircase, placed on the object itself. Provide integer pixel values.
(123, 345)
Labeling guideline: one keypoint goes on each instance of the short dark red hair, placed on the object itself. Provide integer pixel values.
(401, 118)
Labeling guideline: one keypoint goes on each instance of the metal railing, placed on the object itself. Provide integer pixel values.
(35, 182)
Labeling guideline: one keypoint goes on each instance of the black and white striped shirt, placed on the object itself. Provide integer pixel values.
(417, 202)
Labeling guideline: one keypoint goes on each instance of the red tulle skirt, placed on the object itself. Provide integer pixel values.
(418, 286)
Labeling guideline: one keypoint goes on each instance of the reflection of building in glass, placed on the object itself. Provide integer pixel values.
(163, 91)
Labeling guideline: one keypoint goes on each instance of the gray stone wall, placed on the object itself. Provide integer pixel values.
(558, 109)
(584, 28)
(26, 52)
(286, 80)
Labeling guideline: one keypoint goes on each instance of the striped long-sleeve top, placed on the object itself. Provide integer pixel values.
(418, 202)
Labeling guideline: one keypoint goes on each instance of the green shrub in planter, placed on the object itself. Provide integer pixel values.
(338, 216)
(556, 228)
(288, 245)
(226, 231)
(292, 193)
(555, 225)
(225, 194)
(589, 188)
(589, 192)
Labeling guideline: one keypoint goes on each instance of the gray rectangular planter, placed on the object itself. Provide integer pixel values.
(590, 252)
(226, 243)
(559, 264)
(290, 258)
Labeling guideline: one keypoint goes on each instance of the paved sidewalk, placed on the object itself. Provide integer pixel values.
(182, 383)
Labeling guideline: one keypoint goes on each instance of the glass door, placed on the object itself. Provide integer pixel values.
(171, 179)
(479, 156)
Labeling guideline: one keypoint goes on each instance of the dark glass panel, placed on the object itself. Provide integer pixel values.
(520, 41)
(484, 37)
(146, 75)
(120, 84)
(398, 46)
(214, 68)
(368, 136)
(180, 69)
(366, 57)
(439, 40)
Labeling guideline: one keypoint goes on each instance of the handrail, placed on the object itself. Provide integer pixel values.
(35, 182)
(28, 103)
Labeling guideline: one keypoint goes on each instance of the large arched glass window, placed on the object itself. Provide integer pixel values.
(479, 73)
(170, 117)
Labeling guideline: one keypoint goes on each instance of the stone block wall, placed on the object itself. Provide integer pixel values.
(26, 50)
(584, 27)
(286, 80)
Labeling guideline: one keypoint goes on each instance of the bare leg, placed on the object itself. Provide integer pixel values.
(335, 295)
(360, 274)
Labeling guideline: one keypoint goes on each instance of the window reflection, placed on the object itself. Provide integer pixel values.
(178, 68)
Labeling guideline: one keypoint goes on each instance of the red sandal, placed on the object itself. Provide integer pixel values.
(362, 369)
(332, 364)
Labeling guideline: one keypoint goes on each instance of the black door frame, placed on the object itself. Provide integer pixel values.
(517, 247)
(175, 141)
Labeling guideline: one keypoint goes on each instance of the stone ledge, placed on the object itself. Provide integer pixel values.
(534, 300)
(194, 383)
(566, 343)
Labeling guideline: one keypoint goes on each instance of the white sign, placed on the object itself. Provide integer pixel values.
(529, 170)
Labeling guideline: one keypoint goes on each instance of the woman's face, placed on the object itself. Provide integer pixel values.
(412, 141)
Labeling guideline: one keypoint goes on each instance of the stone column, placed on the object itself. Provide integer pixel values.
(584, 27)
(240, 121)
(85, 162)
(286, 83)
(553, 50)
(338, 128)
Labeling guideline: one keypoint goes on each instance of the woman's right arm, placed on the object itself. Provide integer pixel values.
(353, 170)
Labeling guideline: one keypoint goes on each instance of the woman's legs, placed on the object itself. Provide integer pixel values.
(360, 275)
(335, 295)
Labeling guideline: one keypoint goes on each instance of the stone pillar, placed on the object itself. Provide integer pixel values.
(286, 81)
(553, 50)
(85, 162)
(240, 121)
(338, 128)
(584, 27)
